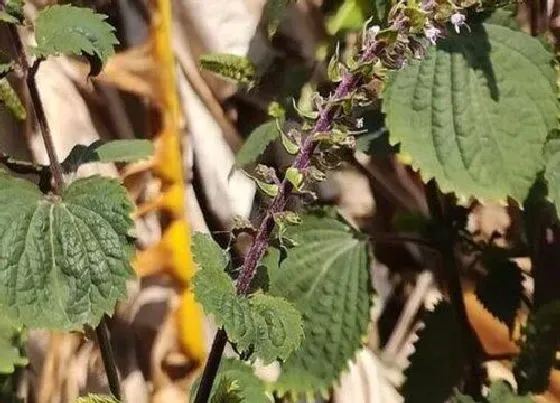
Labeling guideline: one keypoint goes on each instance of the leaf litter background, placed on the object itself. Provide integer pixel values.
(215, 120)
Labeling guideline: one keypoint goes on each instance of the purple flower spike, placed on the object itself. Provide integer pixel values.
(428, 5)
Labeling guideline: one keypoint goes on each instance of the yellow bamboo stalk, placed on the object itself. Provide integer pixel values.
(173, 252)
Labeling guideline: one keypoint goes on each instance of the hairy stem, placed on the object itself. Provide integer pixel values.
(58, 179)
(30, 72)
(108, 357)
(324, 123)
(302, 161)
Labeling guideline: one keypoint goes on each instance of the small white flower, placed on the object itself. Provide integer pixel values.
(369, 34)
(458, 20)
(432, 33)
(374, 30)
(360, 123)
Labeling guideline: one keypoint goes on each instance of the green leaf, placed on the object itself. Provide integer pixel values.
(10, 98)
(212, 285)
(12, 11)
(108, 152)
(351, 15)
(270, 189)
(269, 324)
(411, 222)
(500, 392)
(95, 398)
(225, 391)
(501, 290)
(327, 277)
(64, 261)
(458, 397)
(5, 68)
(382, 8)
(538, 350)
(69, 30)
(230, 66)
(235, 382)
(437, 356)
(280, 327)
(295, 177)
(476, 111)
(257, 142)
(273, 13)
(552, 170)
(290, 147)
(208, 253)
(11, 345)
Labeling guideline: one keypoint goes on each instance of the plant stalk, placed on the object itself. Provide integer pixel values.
(30, 72)
(349, 83)
(102, 330)
(104, 342)
(445, 244)
(212, 366)
(302, 161)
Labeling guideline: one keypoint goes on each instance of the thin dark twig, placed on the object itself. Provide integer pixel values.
(30, 73)
(445, 241)
(211, 368)
(499, 357)
(396, 238)
(102, 332)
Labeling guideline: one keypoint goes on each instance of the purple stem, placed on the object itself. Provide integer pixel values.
(347, 85)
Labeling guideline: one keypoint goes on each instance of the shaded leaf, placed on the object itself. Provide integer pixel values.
(257, 142)
(327, 277)
(349, 16)
(375, 143)
(36, 173)
(476, 111)
(500, 392)
(411, 222)
(11, 345)
(273, 13)
(230, 66)
(437, 356)
(501, 290)
(10, 98)
(552, 170)
(538, 350)
(64, 261)
(108, 152)
(235, 382)
(11, 11)
(69, 30)
(5, 68)
(382, 8)
(270, 325)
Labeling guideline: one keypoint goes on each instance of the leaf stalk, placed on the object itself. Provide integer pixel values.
(30, 73)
